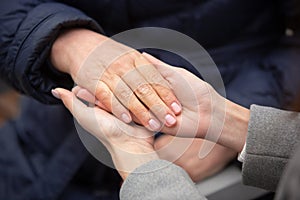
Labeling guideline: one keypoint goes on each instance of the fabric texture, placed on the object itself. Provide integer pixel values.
(289, 185)
(273, 136)
(159, 179)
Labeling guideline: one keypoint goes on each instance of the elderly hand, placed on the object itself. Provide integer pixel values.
(129, 145)
(108, 70)
(205, 114)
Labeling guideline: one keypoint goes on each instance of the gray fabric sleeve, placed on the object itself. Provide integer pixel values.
(159, 179)
(272, 137)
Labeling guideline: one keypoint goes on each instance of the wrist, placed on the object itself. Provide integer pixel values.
(72, 47)
(126, 160)
(235, 127)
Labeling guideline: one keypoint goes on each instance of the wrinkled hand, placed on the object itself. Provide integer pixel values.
(129, 145)
(185, 153)
(109, 71)
(205, 114)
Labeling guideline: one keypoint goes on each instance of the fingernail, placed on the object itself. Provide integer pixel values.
(126, 118)
(176, 108)
(170, 119)
(154, 125)
(55, 94)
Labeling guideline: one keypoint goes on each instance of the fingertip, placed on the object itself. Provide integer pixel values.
(65, 96)
(125, 117)
(176, 107)
(170, 120)
(55, 93)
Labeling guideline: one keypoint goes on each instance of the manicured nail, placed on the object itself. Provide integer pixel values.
(154, 125)
(170, 119)
(176, 108)
(126, 118)
(55, 93)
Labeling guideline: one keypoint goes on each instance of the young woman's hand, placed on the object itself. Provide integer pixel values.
(205, 113)
(129, 145)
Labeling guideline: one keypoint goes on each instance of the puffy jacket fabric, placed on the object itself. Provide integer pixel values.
(258, 61)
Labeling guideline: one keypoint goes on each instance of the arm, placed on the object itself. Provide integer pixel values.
(272, 137)
(271, 134)
(134, 157)
(27, 32)
(159, 180)
(36, 35)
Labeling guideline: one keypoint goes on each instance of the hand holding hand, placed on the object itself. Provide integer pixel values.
(205, 113)
(108, 70)
(129, 145)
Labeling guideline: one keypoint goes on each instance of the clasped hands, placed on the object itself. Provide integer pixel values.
(155, 95)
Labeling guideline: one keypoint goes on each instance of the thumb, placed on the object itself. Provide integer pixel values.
(69, 100)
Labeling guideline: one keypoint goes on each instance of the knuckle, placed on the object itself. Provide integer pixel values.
(144, 90)
(155, 77)
(134, 53)
(124, 94)
(120, 68)
(181, 70)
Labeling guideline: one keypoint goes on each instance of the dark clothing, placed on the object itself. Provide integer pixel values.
(42, 157)
(246, 39)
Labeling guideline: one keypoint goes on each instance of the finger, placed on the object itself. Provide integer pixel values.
(107, 98)
(159, 84)
(94, 120)
(178, 78)
(76, 107)
(130, 101)
(87, 96)
(149, 97)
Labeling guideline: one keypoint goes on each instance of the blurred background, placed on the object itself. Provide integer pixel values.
(9, 103)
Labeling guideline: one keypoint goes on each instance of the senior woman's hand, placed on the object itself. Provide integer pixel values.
(129, 145)
(108, 70)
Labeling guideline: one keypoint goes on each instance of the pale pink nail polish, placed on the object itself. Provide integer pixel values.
(176, 108)
(154, 125)
(170, 119)
(126, 118)
(55, 94)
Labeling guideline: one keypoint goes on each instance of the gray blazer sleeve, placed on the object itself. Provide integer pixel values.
(273, 135)
(159, 179)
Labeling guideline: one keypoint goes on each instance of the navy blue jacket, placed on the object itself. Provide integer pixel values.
(255, 44)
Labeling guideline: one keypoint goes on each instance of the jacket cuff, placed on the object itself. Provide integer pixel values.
(272, 137)
(159, 179)
(35, 37)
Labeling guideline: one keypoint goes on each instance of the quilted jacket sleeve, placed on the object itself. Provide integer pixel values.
(27, 31)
